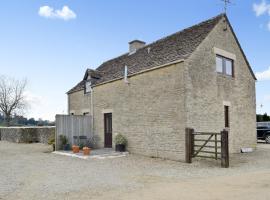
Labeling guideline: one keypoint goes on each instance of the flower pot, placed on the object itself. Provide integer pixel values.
(66, 147)
(75, 149)
(86, 151)
(120, 147)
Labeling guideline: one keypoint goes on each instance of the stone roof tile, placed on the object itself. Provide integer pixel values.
(177, 46)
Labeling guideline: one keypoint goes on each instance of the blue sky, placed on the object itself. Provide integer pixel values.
(52, 46)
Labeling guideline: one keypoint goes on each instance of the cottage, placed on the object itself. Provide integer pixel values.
(198, 77)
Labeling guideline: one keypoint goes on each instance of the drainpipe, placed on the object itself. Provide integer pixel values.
(92, 111)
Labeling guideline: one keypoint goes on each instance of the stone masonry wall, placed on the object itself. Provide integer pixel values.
(79, 103)
(207, 91)
(149, 112)
(27, 134)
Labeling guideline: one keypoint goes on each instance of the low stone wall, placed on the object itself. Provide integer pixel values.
(27, 134)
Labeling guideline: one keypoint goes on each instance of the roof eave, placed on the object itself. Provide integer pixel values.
(134, 74)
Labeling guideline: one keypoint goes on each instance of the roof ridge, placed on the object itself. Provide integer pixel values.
(166, 37)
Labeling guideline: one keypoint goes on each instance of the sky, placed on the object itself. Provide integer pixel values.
(52, 43)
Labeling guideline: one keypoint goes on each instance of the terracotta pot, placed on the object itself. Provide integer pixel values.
(75, 149)
(86, 151)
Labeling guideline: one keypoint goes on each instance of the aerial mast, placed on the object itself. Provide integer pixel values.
(226, 2)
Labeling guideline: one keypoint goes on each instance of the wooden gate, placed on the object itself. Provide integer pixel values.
(207, 145)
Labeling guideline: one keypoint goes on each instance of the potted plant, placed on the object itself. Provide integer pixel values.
(81, 145)
(75, 149)
(120, 143)
(64, 143)
(89, 145)
(52, 142)
(86, 151)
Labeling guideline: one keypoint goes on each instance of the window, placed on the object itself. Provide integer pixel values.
(226, 115)
(219, 64)
(262, 127)
(228, 65)
(224, 65)
(87, 87)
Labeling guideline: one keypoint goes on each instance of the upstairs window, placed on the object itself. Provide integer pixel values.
(87, 87)
(224, 65)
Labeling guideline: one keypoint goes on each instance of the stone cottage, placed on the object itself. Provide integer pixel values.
(198, 77)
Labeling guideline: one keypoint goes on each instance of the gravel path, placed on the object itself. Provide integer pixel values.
(29, 171)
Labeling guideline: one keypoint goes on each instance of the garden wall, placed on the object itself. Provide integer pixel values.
(27, 134)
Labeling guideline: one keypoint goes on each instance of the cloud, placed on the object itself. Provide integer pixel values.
(65, 13)
(45, 11)
(261, 8)
(265, 75)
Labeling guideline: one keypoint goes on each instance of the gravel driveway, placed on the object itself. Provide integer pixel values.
(29, 171)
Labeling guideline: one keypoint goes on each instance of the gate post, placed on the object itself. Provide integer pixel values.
(189, 144)
(224, 149)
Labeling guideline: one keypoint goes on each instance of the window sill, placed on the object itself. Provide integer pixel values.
(225, 76)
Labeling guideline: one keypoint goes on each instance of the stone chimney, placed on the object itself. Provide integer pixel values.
(135, 45)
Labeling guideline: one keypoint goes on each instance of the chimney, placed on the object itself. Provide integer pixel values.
(135, 45)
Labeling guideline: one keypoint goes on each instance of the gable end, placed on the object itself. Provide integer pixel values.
(238, 43)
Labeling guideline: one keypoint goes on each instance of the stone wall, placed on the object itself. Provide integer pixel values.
(207, 91)
(79, 103)
(149, 111)
(27, 134)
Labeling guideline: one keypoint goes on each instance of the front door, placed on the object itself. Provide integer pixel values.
(108, 130)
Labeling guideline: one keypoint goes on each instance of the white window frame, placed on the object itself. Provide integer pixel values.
(85, 87)
(224, 66)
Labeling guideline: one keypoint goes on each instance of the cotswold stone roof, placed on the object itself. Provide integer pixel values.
(169, 49)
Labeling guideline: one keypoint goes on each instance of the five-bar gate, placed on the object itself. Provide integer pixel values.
(207, 145)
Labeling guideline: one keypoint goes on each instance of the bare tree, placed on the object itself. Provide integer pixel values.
(12, 99)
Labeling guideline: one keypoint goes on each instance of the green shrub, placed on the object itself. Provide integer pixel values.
(51, 140)
(120, 139)
(63, 139)
(81, 145)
